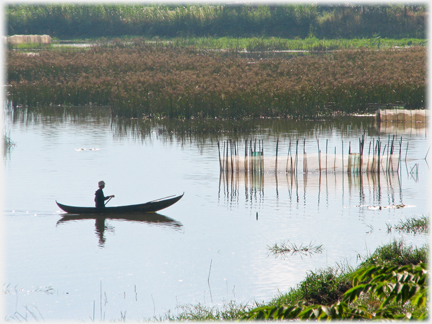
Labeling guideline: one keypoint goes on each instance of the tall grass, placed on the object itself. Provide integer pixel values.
(228, 312)
(396, 253)
(154, 80)
(235, 20)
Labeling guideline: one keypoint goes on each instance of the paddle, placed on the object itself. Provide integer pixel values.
(161, 199)
(108, 200)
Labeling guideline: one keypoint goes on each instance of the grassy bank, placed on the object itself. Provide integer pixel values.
(186, 82)
(390, 283)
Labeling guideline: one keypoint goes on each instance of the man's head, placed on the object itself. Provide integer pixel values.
(101, 184)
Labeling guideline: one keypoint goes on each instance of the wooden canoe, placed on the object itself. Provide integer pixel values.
(148, 207)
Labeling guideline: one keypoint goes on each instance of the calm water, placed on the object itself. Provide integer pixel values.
(209, 248)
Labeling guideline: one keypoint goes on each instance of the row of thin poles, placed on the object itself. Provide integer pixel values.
(380, 161)
(254, 156)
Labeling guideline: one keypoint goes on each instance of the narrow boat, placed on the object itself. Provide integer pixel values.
(148, 207)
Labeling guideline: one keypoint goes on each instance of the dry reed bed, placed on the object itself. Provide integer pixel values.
(149, 80)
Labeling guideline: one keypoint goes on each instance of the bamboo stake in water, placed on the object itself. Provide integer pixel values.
(406, 153)
(384, 157)
(334, 163)
(368, 162)
(326, 152)
(251, 156)
(277, 146)
(296, 158)
(288, 156)
(343, 166)
(237, 157)
(400, 152)
(349, 158)
(262, 157)
(232, 160)
(379, 153)
(227, 164)
(389, 153)
(305, 170)
(220, 162)
(246, 155)
(223, 154)
(361, 152)
(319, 157)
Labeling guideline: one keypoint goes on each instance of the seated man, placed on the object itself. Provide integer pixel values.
(99, 195)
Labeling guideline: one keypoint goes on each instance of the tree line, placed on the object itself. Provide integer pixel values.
(66, 21)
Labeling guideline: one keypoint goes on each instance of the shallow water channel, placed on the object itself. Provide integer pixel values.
(212, 246)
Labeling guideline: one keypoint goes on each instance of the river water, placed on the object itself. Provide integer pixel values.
(210, 248)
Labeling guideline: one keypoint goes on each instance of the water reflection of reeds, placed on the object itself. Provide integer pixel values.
(371, 190)
(199, 129)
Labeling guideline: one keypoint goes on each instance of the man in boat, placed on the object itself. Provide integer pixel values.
(100, 197)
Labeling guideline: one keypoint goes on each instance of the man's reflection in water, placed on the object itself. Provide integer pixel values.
(100, 229)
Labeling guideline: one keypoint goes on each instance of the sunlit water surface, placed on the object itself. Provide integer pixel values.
(211, 247)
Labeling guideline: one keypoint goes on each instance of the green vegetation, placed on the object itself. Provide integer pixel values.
(284, 44)
(396, 253)
(323, 286)
(175, 82)
(389, 284)
(411, 225)
(379, 292)
(285, 248)
(253, 44)
(7, 144)
(230, 311)
(324, 21)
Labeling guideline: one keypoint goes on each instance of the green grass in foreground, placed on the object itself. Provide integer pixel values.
(388, 284)
(228, 312)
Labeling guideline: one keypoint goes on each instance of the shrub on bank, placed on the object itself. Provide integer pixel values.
(389, 284)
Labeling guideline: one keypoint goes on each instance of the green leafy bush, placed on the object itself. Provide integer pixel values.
(394, 286)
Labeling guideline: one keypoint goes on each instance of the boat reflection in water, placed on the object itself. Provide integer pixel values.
(101, 226)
